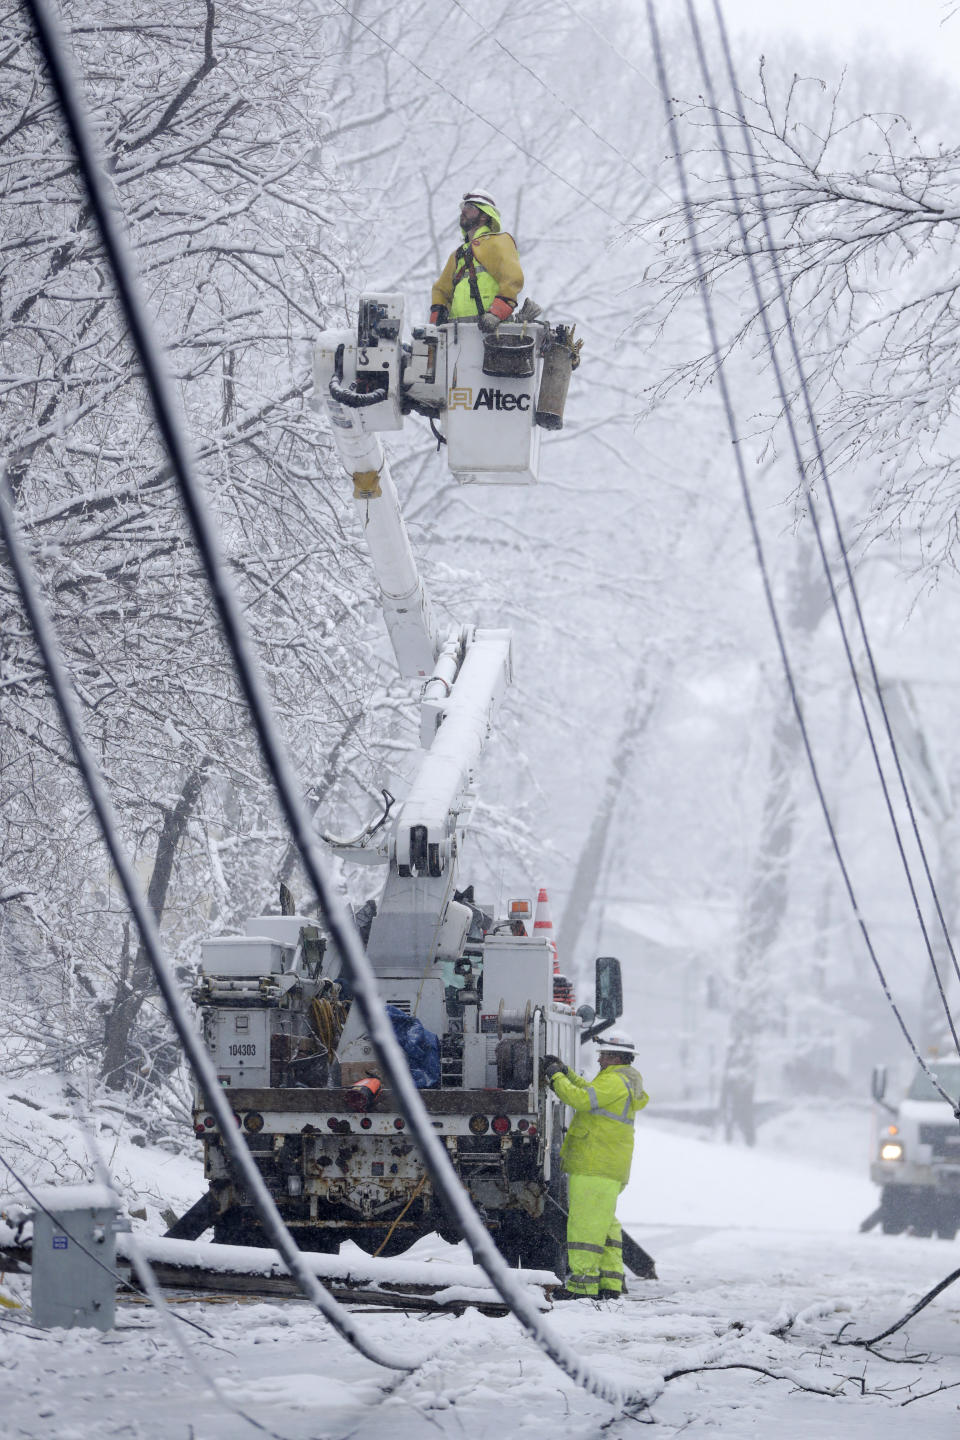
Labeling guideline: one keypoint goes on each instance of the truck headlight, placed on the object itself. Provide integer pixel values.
(892, 1150)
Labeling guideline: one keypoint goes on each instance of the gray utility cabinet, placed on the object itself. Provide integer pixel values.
(74, 1256)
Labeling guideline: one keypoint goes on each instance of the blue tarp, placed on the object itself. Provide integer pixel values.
(421, 1047)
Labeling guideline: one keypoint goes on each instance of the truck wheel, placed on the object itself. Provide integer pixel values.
(894, 1210)
(924, 1216)
(236, 1227)
(530, 1244)
(946, 1220)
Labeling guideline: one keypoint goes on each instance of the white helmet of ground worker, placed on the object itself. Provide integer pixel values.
(616, 1042)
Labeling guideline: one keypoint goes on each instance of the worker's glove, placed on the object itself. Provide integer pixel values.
(499, 310)
(552, 1066)
(438, 315)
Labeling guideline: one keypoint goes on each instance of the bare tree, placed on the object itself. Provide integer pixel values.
(863, 218)
(214, 139)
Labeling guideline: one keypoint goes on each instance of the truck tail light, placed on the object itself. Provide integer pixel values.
(501, 1124)
(523, 1124)
(399, 1123)
(479, 1124)
(253, 1122)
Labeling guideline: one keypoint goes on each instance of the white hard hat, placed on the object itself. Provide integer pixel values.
(479, 197)
(615, 1042)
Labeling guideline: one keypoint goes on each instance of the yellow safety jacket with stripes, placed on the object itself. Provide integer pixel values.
(496, 271)
(600, 1139)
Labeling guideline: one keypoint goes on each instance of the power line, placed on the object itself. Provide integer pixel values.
(763, 310)
(627, 160)
(459, 100)
(727, 403)
(446, 1184)
(53, 51)
(624, 59)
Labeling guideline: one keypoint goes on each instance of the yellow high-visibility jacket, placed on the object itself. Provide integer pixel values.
(600, 1139)
(498, 272)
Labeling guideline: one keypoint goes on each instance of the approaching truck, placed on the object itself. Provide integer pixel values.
(472, 995)
(917, 1160)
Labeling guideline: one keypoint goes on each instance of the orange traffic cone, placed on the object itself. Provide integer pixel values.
(544, 923)
(562, 988)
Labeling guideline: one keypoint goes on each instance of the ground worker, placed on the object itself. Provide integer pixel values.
(482, 278)
(596, 1156)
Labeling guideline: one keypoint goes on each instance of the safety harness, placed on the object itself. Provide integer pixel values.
(466, 266)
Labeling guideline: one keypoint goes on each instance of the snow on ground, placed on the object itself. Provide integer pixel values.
(760, 1264)
(41, 1137)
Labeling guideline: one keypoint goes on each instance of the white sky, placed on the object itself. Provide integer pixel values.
(928, 28)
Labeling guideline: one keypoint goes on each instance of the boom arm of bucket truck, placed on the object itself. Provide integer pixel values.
(465, 672)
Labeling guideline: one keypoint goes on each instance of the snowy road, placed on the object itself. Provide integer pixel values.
(760, 1264)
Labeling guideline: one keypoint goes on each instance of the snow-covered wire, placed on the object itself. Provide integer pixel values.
(339, 921)
(511, 139)
(501, 44)
(710, 317)
(763, 308)
(203, 1069)
(921, 1304)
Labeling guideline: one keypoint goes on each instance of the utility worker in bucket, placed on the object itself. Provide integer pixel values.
(482, 278)
(596, 1155)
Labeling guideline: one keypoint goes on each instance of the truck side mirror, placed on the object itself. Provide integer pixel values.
(609, 988)
(878, 1083)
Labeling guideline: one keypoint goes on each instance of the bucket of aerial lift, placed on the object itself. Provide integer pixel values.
(554, 383)
(488, 418)
(509, 355)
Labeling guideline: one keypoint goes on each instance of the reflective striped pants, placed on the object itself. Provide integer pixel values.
(594, 1245)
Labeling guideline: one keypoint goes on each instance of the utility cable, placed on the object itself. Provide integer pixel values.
(624, 59)
(476, 113)
(342, 928)
(204, 1071)
(700, 269)
(575, 114)
(53, 51)
(763, 309)
(921, 1304)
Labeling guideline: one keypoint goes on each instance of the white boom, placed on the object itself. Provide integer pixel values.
(363, 379)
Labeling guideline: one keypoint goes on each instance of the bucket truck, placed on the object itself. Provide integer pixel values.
(470, 993)
(916, 1154)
